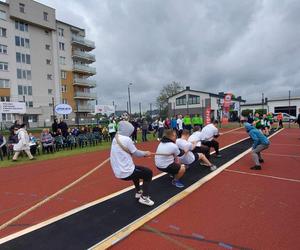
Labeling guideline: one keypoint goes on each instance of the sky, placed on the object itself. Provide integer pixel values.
(247, 47)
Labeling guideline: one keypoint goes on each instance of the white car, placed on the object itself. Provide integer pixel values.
(286, 117)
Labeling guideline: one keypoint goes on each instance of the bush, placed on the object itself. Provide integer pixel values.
(246, 112)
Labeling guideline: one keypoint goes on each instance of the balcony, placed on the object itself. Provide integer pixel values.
(83, 82)
(85, 108)
(83, 56)
(80, 41)
(85, 95)
(84, 69)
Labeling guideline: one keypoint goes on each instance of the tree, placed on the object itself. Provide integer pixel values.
(166, 92)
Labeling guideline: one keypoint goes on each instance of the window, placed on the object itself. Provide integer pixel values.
(2, 14)
(181, 100)
(23, 58)
(49, 91)
(20, 90)
(61, 32)
(21, 26)
(4, 83)
(28, 61)
(62, 60)
(28, 72)
(61, 46)
(45, 16)
(63, 74)
(193, 99)
(24, 74)
(17, 41)
(29, 90)
(65, 117)
(22, 7)
(4, 98)
(30, 105)
(48, 61)
(3, 66)
(47, 47)
(18, 57)
(25, 90)
(49, 76)
(64, 101)
(3, 49)
(3, 32)
(27, 45)
(63, 88)
(7, 117)
(22, 41)
(19, 73)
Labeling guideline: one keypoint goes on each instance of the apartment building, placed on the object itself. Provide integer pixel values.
(44, 62)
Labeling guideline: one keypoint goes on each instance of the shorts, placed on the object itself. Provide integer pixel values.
(196, 157)
(171, 169)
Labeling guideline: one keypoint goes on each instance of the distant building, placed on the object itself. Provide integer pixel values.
(283, 105)
(43, 62)
(193, 102)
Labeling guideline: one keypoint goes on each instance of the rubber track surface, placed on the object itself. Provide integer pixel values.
(92, 225)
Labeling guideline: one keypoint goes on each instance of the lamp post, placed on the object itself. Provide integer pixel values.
(129, 101)
(289, 108)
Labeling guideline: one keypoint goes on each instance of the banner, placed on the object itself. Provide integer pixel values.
(207, 115)
(63, 109)
(104, 109)
(13, 107)
(226, 108)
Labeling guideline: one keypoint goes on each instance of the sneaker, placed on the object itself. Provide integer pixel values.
(177, 183)
(213, 168)
(261, 160)
(218, 156)
(138, 194)
(256, 167)
(146, 200)
(158, 139)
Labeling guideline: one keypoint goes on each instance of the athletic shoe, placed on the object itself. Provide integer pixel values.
(256, 167)
(138, 194)
(218, 156)
(261, 160)
(146, 200)
(177, 183)
(158, 139)
(213, 168)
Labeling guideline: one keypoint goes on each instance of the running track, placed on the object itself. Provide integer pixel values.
(24, 185)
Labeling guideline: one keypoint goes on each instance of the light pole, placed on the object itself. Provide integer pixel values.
(289, 108)
(129, 101)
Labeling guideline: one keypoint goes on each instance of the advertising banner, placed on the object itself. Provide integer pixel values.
(226, 108)
(207, 115)
(63, 109)
(104, 109)
(12, 107)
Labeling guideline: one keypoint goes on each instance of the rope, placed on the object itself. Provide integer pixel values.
(6, 224)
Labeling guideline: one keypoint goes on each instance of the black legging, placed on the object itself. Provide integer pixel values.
(212, 144)
(141, 173)
(203, 149)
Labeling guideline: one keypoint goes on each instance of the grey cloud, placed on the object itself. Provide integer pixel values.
(244, 46)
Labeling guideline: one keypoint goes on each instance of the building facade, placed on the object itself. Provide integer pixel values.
(194, 102)
(44, 62)
(290, 106)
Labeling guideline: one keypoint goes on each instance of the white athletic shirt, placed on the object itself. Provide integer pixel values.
(209, 131)
(196, 137)
(189, 157)
(179, 124)
(162, 161)
(160, 124)
(112, 127)
(121, 162)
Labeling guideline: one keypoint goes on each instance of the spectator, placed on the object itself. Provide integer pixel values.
(187, 122)
(64, 128)
(32, 144)
(2, 145)
(167, 123)
(23, 143)
(54, 126)
(174, 123)
(160, 129)
(14, 127)
(47, 141)
(179, 126)
(134, 133)
(250, 118)
(112, 128)
(144, 129)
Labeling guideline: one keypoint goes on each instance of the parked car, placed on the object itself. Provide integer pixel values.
(286, 117)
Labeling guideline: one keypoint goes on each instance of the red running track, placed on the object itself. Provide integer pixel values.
(24, 186)
(235, 210)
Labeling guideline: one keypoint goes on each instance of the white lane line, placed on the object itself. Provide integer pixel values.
(263, 175)
(281, 155)
(230, 131)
